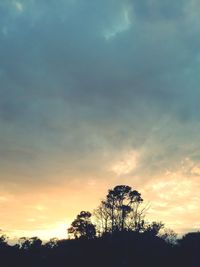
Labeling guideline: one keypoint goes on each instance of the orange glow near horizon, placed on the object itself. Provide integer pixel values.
(48, 212)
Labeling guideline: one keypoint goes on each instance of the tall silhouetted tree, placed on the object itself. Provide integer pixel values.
(120, 211)
(102, 217)
(82, 226)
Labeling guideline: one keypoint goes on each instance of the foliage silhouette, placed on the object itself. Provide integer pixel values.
(118, 246)
(120, 211)
(82, 227)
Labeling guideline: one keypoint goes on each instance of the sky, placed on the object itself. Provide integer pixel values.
(94, 94)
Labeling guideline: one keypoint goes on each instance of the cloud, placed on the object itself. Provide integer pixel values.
(83, 83)
(126, 164)
(175, 197)
(67, 88)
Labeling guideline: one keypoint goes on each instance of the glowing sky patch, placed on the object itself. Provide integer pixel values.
(46, 232)
(126, 164)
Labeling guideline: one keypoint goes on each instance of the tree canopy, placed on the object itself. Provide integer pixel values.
(120, 210)
(82, 227)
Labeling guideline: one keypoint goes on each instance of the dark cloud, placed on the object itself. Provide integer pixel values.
(84, 81)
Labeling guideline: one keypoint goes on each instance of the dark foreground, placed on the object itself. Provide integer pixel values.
(118, 250)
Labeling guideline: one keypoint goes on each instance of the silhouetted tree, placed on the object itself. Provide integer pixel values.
(102, 218)
(3, 240)
(153, 228)
(52, 243)
(169, 236)
(32, 243)
(120, 211)
(82, 226)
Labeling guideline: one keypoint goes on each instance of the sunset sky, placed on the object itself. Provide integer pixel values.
(95, 93)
